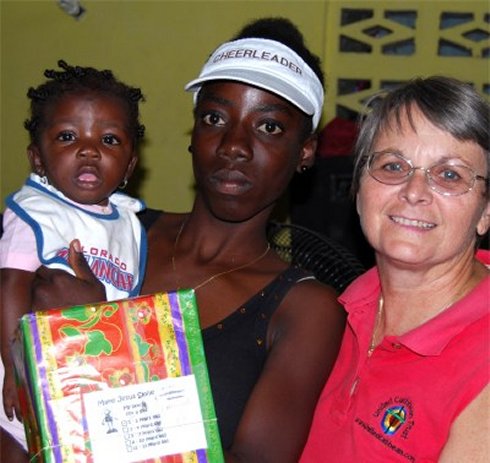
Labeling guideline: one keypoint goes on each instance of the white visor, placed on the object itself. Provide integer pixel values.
(269, 65)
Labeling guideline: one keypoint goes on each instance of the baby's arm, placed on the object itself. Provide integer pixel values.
(15, 301)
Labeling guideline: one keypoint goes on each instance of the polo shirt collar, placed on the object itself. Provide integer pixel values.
(431, 338)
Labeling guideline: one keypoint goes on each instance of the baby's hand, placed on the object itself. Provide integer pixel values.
(56, 288)
(10, 398)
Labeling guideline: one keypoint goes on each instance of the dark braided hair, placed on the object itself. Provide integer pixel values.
(284, 31)
(77, 79)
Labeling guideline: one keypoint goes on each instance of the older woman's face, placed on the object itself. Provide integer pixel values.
(412, 224)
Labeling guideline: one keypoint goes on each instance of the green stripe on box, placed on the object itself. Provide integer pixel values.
(190, 316)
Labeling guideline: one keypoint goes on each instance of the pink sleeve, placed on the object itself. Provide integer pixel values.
(18, 244)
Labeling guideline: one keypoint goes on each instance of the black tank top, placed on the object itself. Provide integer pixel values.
(235, 347)
(236, 350)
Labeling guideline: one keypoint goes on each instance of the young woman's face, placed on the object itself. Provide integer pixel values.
(246, 145)
(412, 224)
(85, 148)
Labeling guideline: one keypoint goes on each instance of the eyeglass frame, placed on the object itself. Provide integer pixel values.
(429, 179)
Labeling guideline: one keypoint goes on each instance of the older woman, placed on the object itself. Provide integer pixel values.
(411, 380)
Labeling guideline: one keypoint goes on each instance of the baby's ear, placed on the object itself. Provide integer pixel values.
(131, 166)
(35, 160)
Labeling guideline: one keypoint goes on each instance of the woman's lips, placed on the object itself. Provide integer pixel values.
(230, 182)
(415, 223)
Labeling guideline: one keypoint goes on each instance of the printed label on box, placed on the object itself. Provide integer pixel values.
(137, 422)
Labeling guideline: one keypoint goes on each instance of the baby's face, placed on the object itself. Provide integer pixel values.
(85, 149)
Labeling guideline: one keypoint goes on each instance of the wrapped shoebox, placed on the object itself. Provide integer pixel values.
(121, 382)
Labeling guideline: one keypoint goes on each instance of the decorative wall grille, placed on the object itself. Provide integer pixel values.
(375, 45)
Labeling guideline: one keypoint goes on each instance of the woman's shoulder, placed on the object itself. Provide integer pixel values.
(148, 217)
(156, 219)
(310, 301)
(308, 287)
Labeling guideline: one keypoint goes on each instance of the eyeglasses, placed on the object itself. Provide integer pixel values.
(444, 178)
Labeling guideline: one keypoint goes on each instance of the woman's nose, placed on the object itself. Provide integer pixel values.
(235, 144)
(416, 188)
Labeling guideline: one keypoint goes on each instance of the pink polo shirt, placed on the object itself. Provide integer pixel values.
(398, 405)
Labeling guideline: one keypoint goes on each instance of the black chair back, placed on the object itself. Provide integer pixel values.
(328, 260)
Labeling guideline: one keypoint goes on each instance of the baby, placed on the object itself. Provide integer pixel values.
(85, 131)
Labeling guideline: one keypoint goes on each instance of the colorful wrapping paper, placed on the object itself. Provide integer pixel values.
(122, 381)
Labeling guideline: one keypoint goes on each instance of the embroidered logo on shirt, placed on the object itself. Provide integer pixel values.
(394, 418)
(396, 415)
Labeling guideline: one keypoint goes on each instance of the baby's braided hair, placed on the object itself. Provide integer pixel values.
(77, 79)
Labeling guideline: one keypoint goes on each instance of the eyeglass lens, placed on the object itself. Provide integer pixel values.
(445, 178)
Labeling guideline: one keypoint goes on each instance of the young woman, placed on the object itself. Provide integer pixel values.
(271, 332)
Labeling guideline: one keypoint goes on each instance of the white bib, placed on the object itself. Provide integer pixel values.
(113, 244)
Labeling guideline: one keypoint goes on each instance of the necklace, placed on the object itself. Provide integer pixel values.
(220, 274)
(377, 323)
(379, 315)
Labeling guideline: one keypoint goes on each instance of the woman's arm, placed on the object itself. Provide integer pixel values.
(468, 438)
(304, 339)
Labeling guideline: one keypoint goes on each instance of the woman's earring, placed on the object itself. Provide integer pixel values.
(123, 184)
(189, 148)
(303, 168)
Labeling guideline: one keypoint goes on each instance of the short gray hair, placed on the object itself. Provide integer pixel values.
(453, 106)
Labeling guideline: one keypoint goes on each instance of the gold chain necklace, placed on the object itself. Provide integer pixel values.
(217, 275)
(377, 323)
(379, 315)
